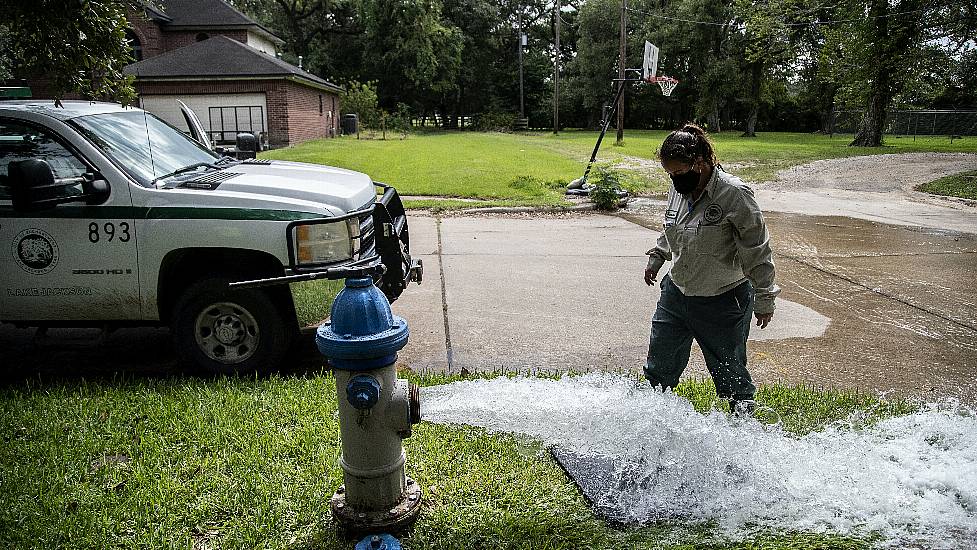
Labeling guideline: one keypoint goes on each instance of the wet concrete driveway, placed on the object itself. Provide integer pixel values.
(864, 305)
(902, 304)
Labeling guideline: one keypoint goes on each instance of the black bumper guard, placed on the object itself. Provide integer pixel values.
(384, 250)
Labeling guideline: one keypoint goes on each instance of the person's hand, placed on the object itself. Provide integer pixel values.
(762, 319)
(651, 275)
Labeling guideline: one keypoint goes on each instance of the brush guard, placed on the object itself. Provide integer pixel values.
(384, 250)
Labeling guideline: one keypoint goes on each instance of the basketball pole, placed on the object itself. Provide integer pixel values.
(606, 125)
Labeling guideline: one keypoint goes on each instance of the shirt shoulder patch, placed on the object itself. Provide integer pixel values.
(713, 213)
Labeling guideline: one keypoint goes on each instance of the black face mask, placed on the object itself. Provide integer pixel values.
(685, 183)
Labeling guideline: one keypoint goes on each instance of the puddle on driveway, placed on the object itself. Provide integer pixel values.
(641, 456)
(902, 303)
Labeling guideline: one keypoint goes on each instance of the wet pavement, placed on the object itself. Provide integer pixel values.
(864, 305)
(903, 305)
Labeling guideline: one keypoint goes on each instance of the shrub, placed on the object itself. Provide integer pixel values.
(495, 122)
(604, 187)
(361, 98)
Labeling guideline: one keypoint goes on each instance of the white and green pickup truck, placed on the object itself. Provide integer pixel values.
(111, 217)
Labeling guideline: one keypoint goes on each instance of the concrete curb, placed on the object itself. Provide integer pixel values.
(527, 209)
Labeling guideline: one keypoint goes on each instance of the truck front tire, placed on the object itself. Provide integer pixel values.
(227, 331)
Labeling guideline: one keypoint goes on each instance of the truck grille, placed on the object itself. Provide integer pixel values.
(367, 236)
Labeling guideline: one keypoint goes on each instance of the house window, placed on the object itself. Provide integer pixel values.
(201, 36)
(227, 122)
(320, 104)
(135, 45)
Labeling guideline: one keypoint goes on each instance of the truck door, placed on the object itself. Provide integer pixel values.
(71, 262)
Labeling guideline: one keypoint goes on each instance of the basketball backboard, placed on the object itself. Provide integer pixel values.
(649, 66)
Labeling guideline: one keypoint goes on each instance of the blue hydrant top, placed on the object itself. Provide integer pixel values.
(379, 542)
(362, 333)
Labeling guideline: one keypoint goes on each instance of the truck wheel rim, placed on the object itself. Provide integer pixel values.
(226, 332)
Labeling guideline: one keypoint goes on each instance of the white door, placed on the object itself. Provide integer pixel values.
(72, 262)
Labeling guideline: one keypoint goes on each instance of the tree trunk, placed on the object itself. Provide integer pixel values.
(756, 80)
(725, 117)
(712, 119)
(873, 121)
(827, 109)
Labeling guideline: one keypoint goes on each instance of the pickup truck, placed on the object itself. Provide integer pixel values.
(111, 217)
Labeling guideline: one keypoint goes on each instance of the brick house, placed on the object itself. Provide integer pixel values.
(224, 66)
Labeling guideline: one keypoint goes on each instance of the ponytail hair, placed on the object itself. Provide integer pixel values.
(688, 144)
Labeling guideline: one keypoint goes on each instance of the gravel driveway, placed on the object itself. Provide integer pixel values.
(875, 173)
(877, 188)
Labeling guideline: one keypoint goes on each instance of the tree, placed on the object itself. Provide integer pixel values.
(79, 45)
(892, 32)
(414, 55)
(764, 33)
(595, 66)
(361, 98)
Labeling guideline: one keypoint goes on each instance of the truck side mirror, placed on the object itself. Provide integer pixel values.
(246, 145)
(33, 187)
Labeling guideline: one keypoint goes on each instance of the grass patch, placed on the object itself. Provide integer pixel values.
(454, 164)
(497, 166)
(755, 159)
(962, 185)
(313, 300)
(244, 463)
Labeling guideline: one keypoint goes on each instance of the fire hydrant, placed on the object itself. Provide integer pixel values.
(376, 410)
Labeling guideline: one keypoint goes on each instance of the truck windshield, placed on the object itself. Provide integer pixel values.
(143, 145)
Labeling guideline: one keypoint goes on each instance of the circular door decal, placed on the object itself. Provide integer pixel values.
(35, 251)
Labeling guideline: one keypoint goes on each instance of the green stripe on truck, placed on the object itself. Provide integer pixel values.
(162, 213)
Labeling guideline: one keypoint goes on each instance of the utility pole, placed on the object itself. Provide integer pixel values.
(522, 105)
(620, 72)
(556, 76)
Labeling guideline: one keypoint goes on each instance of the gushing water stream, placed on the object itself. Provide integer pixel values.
(649, 456)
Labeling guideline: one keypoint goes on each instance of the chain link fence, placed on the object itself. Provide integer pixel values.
(952, 123)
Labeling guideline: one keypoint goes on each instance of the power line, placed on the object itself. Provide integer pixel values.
(805, 24)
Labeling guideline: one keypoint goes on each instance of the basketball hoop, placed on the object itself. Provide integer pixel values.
(666, 83)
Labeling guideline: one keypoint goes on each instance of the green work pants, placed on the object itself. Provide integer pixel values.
(719, 324)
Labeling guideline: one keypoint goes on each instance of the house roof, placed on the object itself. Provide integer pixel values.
(155, 14)
(220, 57)
(208, 14)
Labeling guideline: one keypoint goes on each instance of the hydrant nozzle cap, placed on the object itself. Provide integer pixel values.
(363, 391)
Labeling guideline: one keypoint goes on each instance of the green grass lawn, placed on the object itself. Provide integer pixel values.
(533, 169)
(456, 164)
(246, 463)
(758, 159)
(959, 185)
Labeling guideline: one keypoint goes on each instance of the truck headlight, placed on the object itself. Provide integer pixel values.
(323, 243)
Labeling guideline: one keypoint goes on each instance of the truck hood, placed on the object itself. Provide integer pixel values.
(327, 186)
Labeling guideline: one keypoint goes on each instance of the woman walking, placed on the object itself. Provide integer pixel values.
(722, 271)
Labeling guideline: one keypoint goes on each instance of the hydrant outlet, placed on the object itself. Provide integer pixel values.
(363, 392)
(415, 404)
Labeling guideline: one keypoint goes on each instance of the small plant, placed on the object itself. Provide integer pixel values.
(604, 187)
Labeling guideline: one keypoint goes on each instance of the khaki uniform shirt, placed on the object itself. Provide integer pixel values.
(717, 242)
